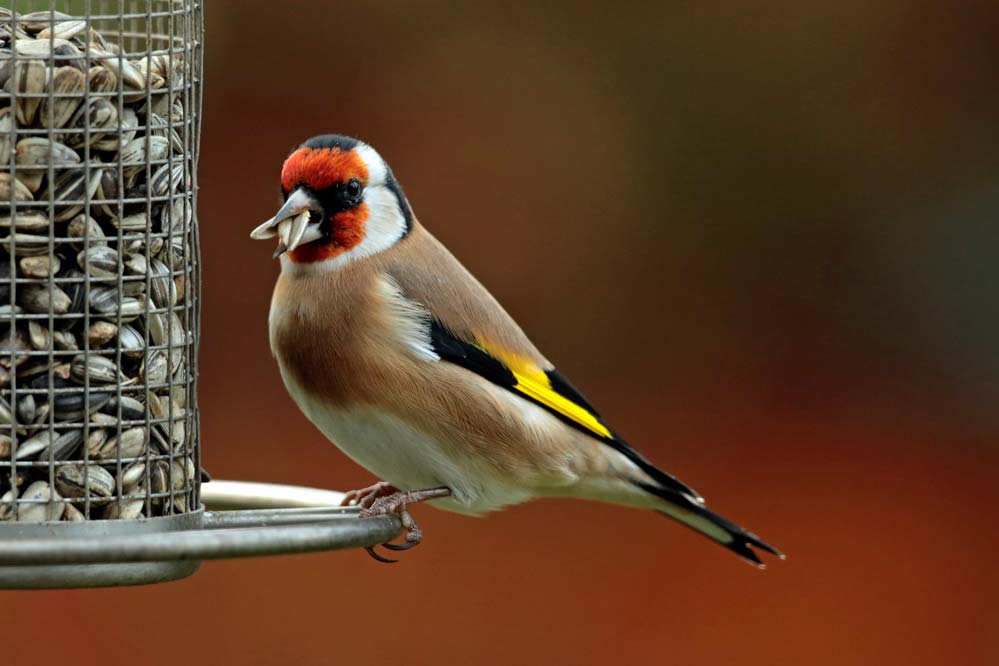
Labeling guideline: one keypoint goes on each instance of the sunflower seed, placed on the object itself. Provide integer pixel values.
(63, 30)
(31, 447)
(28, 81)
(38, 154)
(166, 179)
(132, 475)
(130, 408)
(82, 480)
(41, 266)
(14, 345)
(130, 444)
(162, 288)
(34, 22)
(19, 193)
(65, 341)
(7, 504)
(175, 218)
(34, 157)
(68, 84)
(25, 221)
(65, 445)
(100, 333)
(5, 131)
(125, 509)
(73, 406)
(96, 369)
(96, 440)
(39, 336)
(70, 191)
(173, 414)
(31, 179)
(26, 408)
(131, 342)
(100, 261)
(72, 514)
(105, 300)
(136, 264)
(122, 67)
(41, 420)
(49, 510)
(136, 222)
(159, 477)
(40, 298)
(101, 80)
(96, 119)
(136, 154)
(128, 125)
(166, 328)
(87, 230)
(155, 368)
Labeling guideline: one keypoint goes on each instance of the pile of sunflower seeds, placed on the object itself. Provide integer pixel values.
(96, 300)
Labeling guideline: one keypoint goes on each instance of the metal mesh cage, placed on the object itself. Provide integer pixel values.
(100, 106)
(99, 273)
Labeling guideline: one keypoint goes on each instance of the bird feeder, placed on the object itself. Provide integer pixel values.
(100, 454)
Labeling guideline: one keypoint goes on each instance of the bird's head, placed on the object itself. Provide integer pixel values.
(341, 202)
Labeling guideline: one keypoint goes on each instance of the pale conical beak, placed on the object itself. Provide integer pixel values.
(291, 223)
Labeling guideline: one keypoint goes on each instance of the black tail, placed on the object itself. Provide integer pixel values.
(682, 508)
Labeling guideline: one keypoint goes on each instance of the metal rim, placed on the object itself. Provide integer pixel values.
(219, 494)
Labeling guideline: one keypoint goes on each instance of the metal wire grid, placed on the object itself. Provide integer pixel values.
(59, 398)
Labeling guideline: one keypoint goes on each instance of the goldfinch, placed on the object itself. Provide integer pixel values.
(403, 360)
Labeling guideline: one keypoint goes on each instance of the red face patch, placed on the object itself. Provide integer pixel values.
(320, 168)
(348, 232)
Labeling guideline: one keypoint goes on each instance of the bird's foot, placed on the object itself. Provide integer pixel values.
(397, 502)
(365, 497)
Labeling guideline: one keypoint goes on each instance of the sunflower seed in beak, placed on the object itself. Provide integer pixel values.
(292, 230)
(298, 203)
(264, 231)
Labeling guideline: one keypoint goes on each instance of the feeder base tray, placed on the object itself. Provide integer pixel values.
(96, 574)
(281, 520)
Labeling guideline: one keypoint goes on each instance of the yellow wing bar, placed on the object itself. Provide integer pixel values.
(535, 384)
(546, 395)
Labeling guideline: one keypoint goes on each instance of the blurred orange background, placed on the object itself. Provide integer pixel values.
(762, 238)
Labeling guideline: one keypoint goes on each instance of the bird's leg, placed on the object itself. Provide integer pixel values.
(398, 502)
(365, 497)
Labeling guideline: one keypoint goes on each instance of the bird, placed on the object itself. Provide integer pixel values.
(406, 362)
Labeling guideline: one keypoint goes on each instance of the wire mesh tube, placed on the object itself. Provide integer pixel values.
(99, 274)
(100, 106)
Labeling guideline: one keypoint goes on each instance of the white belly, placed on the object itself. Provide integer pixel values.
(407, 458)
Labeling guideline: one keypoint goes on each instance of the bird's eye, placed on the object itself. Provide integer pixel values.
(353, 188)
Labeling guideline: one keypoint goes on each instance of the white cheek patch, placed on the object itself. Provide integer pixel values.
(386, 223)
(377, 170)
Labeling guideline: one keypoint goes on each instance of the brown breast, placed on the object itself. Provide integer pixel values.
(333, 334)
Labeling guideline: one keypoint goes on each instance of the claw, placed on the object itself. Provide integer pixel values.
(365, 497)
(382, 499)
(380, 558)
(406, 545)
